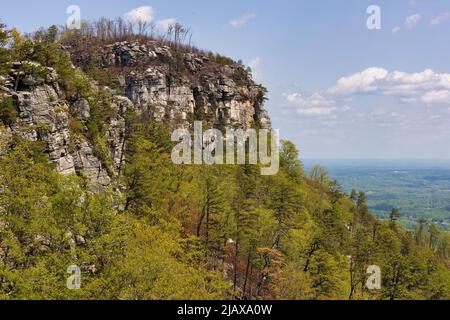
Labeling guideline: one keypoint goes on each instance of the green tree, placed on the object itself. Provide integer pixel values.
(290, 159)
(8, 113)
(51, 35)
(4, 51)
(319, 174)
(395, 215)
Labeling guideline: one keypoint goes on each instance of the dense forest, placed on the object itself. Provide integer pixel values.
(168, 231)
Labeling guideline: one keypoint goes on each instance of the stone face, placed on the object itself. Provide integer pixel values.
(44, 116)
(116, 133)
(170, 85)
(155, 94)
(174, 87)
(82, 109)
(87, 164)
(164, 97)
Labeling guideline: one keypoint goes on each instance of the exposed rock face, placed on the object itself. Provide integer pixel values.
(151, 93)
(171, 86)
(43, 114)
(116, 133)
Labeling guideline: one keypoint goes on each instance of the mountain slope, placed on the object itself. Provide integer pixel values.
(140, 227)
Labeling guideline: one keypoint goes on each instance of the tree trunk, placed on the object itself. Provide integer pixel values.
(246, 272)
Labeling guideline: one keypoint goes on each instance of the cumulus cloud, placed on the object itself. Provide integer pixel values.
(243, 20)
(164, 24)
(441, 18)
(361, 82)
(313, 105)
(256, 66)
(412, 21)
(141, 14)
(427, 86)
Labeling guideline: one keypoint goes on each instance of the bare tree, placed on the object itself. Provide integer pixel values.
(142, 27)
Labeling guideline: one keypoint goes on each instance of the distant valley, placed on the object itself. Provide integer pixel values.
(418, 188)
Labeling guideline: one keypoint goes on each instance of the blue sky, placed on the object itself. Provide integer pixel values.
(337, 89)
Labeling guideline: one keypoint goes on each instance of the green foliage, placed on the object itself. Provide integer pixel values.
(289, 159)
(240, 76)
(121, 256)
(202, 233)
(223, 60)
(104, 76)
(319, 175)
(51, 36)
(4, 52)
(4, 35)
(262, 94)
(154, 267)
(48, 53)
(38, 72)
(8, 113)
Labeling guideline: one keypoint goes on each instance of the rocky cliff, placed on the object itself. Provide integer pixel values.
(151, 79)
(171, 84)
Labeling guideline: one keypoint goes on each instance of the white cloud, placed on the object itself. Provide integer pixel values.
(243, 20)
(314, 105)
(435, 96)
(441, 18)
(361, 82)
(256, 66)
(317, 111)
(396, 30)
(141, 14)
(381, 112)
(164, 24)
(412, 21)
(427, 86)
(408, 100)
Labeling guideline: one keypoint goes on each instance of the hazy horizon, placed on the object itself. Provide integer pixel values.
(387, 164)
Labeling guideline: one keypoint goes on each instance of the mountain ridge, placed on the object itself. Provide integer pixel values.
(138, 227)
(199, 88)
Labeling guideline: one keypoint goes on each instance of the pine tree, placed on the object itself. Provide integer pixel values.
(4, 52)
(395, 215)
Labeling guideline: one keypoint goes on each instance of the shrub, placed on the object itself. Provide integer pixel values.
(240, 77)
(38, 72)
(105, 77)
(4, 52)
(223, 60)
(8, 113)
(78, 86)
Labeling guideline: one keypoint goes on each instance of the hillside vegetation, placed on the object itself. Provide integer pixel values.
(163, 231)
